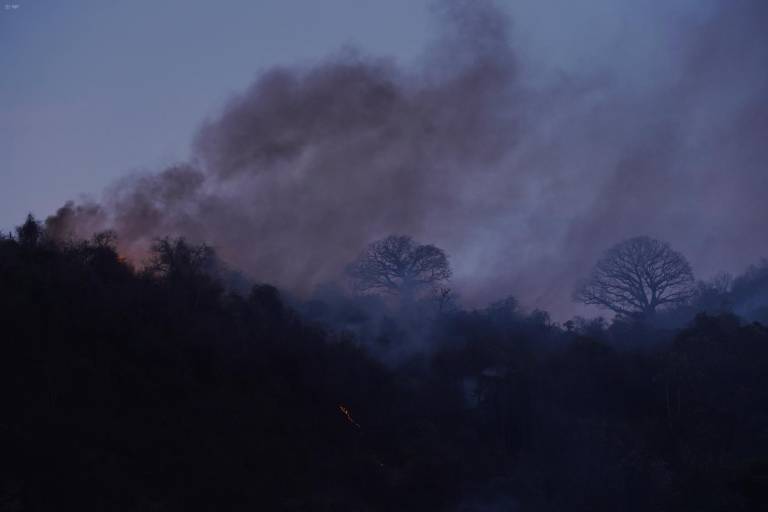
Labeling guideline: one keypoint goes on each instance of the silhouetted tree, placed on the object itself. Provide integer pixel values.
(106, 240)
(399, 266)
(637, 276)
(191, 271)
(445, 300)
(714, 295)
(174, 258)
(30, 233)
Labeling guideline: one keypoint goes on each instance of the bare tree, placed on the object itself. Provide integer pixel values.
(397, 265)
(175, 258)
(636, 277)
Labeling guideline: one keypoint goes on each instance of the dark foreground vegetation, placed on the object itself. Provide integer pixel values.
(165, 389)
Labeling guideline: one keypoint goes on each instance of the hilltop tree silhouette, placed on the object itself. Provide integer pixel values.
(399, 266)
(636, 277)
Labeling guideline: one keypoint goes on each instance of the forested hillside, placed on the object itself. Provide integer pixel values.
(166, 387)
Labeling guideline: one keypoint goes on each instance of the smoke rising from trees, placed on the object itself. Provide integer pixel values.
(523, 182)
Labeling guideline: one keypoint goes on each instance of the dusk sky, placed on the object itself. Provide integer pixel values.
(110, 87)
(608, 120)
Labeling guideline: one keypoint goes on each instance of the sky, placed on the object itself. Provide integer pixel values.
(110, 87)
(524, 137)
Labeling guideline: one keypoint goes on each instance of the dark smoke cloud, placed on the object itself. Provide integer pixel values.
(523, 185)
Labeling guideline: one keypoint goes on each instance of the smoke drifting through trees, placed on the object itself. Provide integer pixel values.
(523, 186)
(399, 266)
(637, 276)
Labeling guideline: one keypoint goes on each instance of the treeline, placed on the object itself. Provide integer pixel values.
(168, 388)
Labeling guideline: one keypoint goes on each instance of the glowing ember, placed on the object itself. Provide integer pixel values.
(347, 415)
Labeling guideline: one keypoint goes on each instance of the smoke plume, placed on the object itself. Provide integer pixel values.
(523, 182)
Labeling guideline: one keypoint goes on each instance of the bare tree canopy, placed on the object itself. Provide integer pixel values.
(398, 265)
(636, 277)
(176, 257)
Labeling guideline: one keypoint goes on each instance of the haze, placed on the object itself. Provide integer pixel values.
(522, 137)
